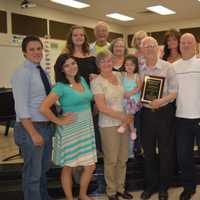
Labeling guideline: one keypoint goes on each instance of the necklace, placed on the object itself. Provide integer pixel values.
(112, 79)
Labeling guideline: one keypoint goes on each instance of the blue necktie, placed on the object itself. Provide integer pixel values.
(44, 80)
(47, 86)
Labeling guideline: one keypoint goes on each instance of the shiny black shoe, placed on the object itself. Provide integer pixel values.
(186, 194)
(113, 197)
(125, 195)
(163, 195)
(139, 152)
(146, 194)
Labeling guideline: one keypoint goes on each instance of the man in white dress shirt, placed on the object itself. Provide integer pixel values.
(188, 112)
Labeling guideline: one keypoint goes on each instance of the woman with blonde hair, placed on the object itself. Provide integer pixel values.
(137, 38)
(136, 42)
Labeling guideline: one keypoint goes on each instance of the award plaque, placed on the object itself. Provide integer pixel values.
(152, 88)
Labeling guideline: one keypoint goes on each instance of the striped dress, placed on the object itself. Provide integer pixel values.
(74, 144)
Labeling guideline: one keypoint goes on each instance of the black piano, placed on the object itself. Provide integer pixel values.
(7, 110)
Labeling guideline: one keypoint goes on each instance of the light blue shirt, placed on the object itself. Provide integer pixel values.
(72, 100)
(129, 84)
(28, 91)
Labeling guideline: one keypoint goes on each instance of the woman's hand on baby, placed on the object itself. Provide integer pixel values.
(127, 119)
(127, 94)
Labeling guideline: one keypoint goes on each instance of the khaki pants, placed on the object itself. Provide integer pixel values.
(115, 150)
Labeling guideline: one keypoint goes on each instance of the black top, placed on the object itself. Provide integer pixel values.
(121, 69)
(87, 66)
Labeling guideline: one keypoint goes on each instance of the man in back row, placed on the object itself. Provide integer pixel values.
(101, 33)
(188, 112)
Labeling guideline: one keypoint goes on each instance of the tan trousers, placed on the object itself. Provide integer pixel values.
(115, 150)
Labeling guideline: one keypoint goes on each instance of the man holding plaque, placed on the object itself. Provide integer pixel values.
(188, 112)
(159, 90)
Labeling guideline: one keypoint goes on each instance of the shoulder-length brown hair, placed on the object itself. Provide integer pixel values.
(170, 33)
(58, 69)
(70, 45)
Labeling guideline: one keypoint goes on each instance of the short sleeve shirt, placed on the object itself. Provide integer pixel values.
(162, 69)
(113, 97)
(72, 100)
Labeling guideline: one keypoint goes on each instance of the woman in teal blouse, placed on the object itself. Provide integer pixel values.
(74, 141)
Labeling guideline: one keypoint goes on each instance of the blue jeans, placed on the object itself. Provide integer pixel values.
(36, 160)
(186, 131)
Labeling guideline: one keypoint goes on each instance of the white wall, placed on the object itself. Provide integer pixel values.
(165, 26)
(50, 14)
(58, 15)
(11, 58)
(10, 53)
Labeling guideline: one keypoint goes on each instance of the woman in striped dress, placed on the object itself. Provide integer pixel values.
(74, 141)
